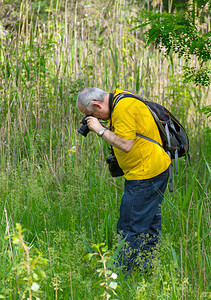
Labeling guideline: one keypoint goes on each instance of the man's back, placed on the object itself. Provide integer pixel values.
(146, 159)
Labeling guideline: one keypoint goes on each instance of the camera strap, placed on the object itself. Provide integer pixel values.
(111, 96)
(111, 99)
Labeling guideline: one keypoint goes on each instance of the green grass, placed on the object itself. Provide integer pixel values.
(63, 219)
(67, 201)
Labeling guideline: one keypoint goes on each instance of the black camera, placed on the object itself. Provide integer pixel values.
(113, 165)
(84, 129)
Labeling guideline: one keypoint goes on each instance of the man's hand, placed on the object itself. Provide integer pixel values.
(123, 144)
(94, 124)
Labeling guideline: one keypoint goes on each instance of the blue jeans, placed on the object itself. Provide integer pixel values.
(140, 219)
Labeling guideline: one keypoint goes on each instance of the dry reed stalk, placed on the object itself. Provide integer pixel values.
(75, 39)
(170, 3)
(48, 246)
(11, 249)
(19, 26)
(71, 285)
(181, 263)
(51, 134)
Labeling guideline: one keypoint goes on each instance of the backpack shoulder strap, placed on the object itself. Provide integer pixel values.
(117, 98)
(125, 95)
(149, 139)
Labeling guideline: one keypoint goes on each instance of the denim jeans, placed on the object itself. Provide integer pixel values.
(140, 219)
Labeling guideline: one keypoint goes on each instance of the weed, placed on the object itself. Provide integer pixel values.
(107, 277)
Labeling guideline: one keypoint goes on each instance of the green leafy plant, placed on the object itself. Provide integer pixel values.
(178, 32)
(107, 277)
(30, 269)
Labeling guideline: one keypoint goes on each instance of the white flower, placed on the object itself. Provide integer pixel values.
(113, 285)
(114, 276)
(35, 287)
(3, 32)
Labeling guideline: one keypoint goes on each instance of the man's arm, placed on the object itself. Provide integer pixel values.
(123, 144)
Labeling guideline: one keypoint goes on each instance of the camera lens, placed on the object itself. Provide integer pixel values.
(84, 129)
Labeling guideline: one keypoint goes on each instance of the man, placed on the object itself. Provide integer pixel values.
(144, 163)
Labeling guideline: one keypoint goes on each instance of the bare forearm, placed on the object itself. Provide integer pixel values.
(122, 144)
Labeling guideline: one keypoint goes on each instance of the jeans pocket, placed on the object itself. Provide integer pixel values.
(148, 190)
(143, 189)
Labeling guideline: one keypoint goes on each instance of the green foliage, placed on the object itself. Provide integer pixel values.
(107, 277)
(177, 32)
(206, 110)
(199, 76)
(29, 268)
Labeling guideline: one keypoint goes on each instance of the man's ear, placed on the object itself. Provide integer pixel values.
(97, 104)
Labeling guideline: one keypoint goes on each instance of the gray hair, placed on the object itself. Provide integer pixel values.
(89, 95)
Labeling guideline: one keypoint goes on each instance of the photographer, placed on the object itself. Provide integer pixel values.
(144, 164)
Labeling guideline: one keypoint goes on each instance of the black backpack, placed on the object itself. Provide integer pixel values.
(173, 135)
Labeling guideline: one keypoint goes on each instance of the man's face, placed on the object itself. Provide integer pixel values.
(100, 110)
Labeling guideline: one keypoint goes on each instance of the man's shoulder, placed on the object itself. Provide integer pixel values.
(127, 109)
(120, 102)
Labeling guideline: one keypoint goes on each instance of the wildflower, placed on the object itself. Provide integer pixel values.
(35, 287)
(114, 276)
(72, 149)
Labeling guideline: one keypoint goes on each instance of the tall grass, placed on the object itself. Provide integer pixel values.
(56, 183)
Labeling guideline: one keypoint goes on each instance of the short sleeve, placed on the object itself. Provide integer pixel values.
(123, 119)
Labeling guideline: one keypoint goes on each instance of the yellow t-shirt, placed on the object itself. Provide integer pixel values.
(146, 159)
